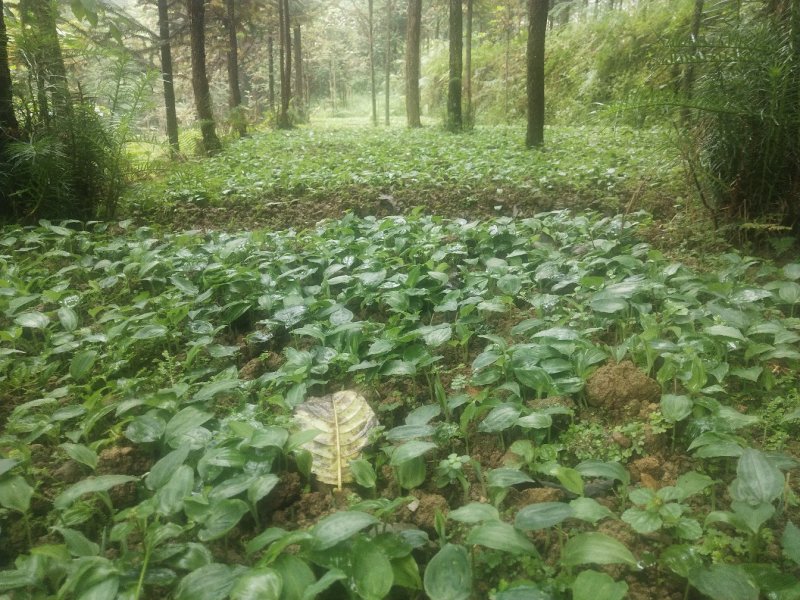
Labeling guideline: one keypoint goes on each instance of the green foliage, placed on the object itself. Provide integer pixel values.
(366, 169)
(113, 337)
(742, 144)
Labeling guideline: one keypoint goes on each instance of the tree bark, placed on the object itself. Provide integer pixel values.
(468, 66)
(689, 73)
(286, 64)
(298, 74)
(413, 29)
(202, 94)
(271, 74)
(388, 65)
(167, 77)
(371, 40)
(454, 120)
(9, 127)
(537, 28)
(234, 91)
(39, 18)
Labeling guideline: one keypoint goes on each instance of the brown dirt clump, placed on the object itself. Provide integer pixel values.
(252, 369)
(306, 511)
(654, 471)
(622, 389)
(534, 495)
(284, 494)
(487, 450)
(123, 460)
(424, 510)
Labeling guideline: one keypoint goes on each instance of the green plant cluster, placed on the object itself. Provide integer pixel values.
(115, 338)
(598, 164)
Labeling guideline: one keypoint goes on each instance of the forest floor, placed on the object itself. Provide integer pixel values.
(295, 178)
(565, 408)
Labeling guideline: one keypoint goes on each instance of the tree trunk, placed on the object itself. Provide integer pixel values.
(39, 19)
(8, 121)
(388, 65)
(454, 121)
(271, 74)
(333, 85)
(537, 28)
(286, 64)
(468, 66)
(689, 73)
(413, 28)
(166, 76)
(298, 74)
(371, 40)
(235, 93)
(202, 94)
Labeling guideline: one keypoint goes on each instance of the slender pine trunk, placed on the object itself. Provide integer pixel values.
(167, 77)
(454, 119)
(413, 29)
(537, 29)
(202, 93)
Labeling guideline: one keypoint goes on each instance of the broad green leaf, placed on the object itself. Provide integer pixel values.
(499, 419)
(474, 512)
(32, 320)
(258, 584)
(724, 582)
(82, 364)
(591, 585)
(169, 498)
(101, 483)
(790, 540)
(68, 318)
(296, 576)
(323, 583)
(692, 482)
(642, 521)
(80, 453)
(6, 464)
(448, 575)
(340, 526)
(757, 481)
(261, 487)
(608, 305)
(503, 478)
(15, 493)
(535, 420)
(596, 548)
(681, 560)
(184, 422)
(411, 473)
(77, 543)
(606, 470)
(372, 572)
(509, 284)
(675, 408)
(436, 335)
(161, 472)
(792, 270)
(145, 429)
(725, 331)
(223, 516)
(542, 515)
(500, 536)
(569, 478)
(210, 582)
(363, 473)
(398, 368)
(590, 510)
(150, 332)
(410, 450)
